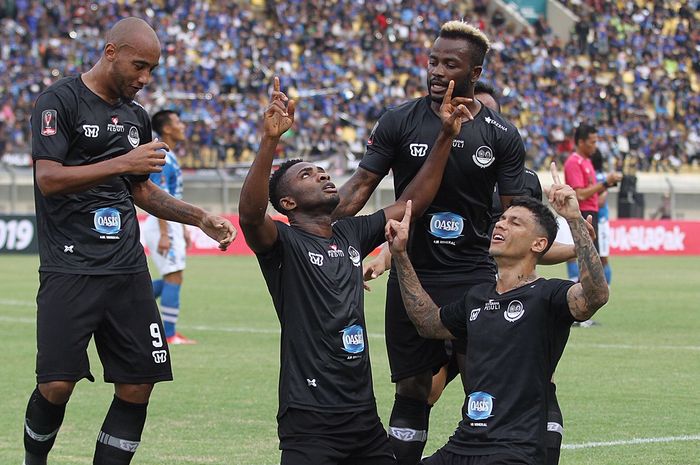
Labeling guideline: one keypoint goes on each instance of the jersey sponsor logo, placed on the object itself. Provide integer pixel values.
(458, 144)
(334, 252)
(353, 339)
(311, 382)
(49, 122)
(68, 248)
(134, 137)
(514, 311)
(354, 256)
(492, 121)
(316, 258)
(483, 156)
(446, 225)
(492, 306)
(107, 221)
(91, 130)
(418, 150)
(474, 314)
(480, 405)
(160, 356)
(114, 126)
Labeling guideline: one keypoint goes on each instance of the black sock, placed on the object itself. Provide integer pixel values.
(408, 429)
(41, 424)
(120, 434)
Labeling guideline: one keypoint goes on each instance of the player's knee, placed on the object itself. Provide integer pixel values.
(134, 393)
(57, 392)
(173, 278)
(416, 387)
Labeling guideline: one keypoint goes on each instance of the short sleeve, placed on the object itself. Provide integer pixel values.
(368, 229)
(512, 165)
(573, 174)
(558, 301)
(382, 143)
(146, 136)
(51, 128)
(454, 318)
(532, 184)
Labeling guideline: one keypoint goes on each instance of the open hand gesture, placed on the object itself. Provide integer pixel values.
(454, 111)
(279, 115)
(562, 197)
(396, 232)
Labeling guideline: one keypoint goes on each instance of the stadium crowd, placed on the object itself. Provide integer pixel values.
(631, 67)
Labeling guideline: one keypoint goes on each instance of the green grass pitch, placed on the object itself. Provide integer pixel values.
(629, 388)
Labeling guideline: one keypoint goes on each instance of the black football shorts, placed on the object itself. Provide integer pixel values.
(118, 310)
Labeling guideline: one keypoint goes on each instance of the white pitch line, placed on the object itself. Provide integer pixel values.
(631, 442)
(634, 347)
(17, 303)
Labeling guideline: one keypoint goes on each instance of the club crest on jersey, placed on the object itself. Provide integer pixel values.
(480, 405)
(353, 339)
(483, 156)
(354, 256)
(91, 130)
(316, 258)
(134, 137)
(418, 150)
(446, 225)
(514, 311)
(107, 221)
(49, 122)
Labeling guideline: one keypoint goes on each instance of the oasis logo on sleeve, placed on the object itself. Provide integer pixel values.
(49, 122)
(480, 406)
(446, 225)
(353, 339)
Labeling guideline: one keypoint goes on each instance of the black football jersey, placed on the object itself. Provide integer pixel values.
(451, 238)
(94, 231)
(317, 290)
(514, 342)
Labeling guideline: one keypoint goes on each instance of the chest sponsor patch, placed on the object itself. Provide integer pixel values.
(107, 221)
(49, 122)
(514, 311)
(480, 405)
(353, 339)
(483, 157)
(446, 225)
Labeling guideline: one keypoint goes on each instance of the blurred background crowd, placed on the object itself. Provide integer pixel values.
(631, 67)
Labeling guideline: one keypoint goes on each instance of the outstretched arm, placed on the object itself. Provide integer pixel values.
(258, 227)
(424, 313)
(591, 292)
(423, 187)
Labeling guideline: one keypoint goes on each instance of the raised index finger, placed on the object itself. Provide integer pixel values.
(555, 173)
(276, 84)
(448, 94)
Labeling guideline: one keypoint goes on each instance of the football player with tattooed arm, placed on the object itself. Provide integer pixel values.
(93, 153)
(516, 329)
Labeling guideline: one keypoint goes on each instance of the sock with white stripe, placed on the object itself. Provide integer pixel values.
(408, 429)
(41, 424)
(170, 307)
(121, 433)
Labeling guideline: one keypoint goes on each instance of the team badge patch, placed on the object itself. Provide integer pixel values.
(514, 311)
(134, 137)
(49, 122)
(354, 256)
(483, 156)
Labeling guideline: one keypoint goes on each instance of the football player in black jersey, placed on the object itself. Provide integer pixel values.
(92, 151)
(449, 245)
(516, 329)
(313, 270)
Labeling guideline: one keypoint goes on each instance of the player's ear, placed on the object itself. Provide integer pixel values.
(539, 245)
(476, 73)
(288, 203)
(110, 51)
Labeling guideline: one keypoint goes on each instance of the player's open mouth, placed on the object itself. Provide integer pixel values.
(330, 188)
(437, 87)
(497, 238)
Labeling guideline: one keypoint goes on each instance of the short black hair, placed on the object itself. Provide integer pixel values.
(543, 215)
(275, 189)
(481, 87)
(583, 131)
(160, 120)
(479, 43)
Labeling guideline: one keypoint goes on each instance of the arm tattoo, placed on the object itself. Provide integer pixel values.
(159, 203)
(594, 289)
(424, 313)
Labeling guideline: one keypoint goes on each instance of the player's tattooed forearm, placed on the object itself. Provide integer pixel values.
(592, 277)
(419, 306)
(164, 206)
